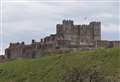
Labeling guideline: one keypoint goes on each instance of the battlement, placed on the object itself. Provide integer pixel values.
(68, 22)
(16, 44)
(95, 22)
(88, 25)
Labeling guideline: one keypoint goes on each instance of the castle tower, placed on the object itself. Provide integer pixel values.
(67, 23)
(96, 30)
(68, 31)
(65, 29)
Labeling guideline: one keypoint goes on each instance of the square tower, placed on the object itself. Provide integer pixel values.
(96, 26)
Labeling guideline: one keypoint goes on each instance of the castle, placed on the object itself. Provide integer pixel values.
(68, 37)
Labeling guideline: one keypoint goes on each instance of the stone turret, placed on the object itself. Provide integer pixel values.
(33, 41)
(96, 30)
(23, 43)
(67, 22)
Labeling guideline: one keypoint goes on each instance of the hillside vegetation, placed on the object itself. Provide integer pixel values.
(101, 65)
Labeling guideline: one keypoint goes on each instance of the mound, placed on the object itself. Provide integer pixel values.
(101, 65)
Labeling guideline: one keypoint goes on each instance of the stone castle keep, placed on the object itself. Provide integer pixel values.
(68, 37)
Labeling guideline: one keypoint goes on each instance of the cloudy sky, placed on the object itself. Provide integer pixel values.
(24, 20)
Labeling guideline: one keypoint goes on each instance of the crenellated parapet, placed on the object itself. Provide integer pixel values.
(68, 22)
(12, 45)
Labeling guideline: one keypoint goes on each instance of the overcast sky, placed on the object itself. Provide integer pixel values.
(24, 20)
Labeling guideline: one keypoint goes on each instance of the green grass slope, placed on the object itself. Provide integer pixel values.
(101, 65)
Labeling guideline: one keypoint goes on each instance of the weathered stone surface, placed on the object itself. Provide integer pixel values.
(68, 36)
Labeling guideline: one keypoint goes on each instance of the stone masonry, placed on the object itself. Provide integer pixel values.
(68, 36)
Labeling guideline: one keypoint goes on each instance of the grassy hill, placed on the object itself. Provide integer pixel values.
(101, 65)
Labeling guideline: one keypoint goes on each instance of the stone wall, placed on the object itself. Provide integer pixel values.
(79, 34)
(106, 44)
(68, 36)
